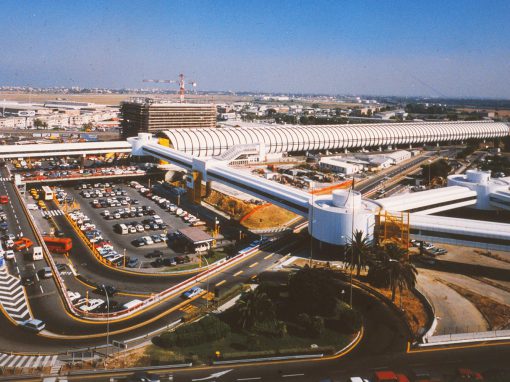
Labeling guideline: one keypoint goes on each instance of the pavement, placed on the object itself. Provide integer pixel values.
(454, 313)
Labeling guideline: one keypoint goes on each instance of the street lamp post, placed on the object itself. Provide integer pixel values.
(207, 282)
(107, 323)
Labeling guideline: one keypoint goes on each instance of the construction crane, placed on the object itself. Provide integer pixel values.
(180, 81)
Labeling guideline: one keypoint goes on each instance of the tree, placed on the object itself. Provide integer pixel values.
(358, 252)
(440, 168)
(87, 126)
(253, 307)
(39, 123)
(314, 291)
(402, 273)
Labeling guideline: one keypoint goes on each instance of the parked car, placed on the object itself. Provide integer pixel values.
(133, 263)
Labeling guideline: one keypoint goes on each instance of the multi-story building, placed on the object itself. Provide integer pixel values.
(149, 115)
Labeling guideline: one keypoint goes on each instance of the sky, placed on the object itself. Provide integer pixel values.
(381, 47)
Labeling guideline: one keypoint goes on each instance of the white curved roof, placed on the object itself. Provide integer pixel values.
(425, 200)
(292, 138)
(56, 149)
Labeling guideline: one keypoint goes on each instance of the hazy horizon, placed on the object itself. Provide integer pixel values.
(435, 49)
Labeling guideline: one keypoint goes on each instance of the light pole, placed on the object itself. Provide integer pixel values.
(207, 282)
(429, 168)
(107, 323)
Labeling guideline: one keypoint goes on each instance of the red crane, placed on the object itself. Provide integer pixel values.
(180, 81)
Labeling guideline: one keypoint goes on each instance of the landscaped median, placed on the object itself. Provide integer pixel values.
(304, 318)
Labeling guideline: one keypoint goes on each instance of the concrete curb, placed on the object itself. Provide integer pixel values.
(266, 359)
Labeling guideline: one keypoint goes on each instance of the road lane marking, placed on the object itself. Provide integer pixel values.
(221, 282)
(238, 273)
(42, 291)
(292, 375)
(268, 256)
(251, 266)
(248, 379)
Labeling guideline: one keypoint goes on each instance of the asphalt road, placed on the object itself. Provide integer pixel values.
(369, 185)
(46, 303)
(440, 363)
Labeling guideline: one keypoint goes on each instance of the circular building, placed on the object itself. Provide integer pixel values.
(334, 218)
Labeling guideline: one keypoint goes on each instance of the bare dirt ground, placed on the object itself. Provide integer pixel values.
(498, 315)
(258, 217)
(268, 217)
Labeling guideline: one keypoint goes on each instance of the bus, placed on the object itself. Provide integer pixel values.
(58, 244)
(47, 193)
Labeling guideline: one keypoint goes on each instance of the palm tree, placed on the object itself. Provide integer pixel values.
(402, 273)
(254, 306)
(360, 250)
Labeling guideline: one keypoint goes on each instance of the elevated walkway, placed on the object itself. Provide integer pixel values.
(63, 149)
(430, 201)
(472, 233)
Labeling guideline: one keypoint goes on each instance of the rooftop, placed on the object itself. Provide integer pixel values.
(195, 235)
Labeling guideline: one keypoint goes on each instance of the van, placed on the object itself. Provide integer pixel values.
(37, 253)
(122, 229)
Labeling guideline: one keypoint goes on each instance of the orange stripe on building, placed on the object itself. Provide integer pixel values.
(330, 189)
(258, 208)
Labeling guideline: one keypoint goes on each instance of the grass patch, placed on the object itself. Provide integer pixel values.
(238, 345)
(182, 267)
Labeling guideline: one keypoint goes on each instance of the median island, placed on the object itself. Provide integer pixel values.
(304, 316)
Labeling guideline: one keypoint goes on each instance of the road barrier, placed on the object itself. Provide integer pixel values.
(49, 259)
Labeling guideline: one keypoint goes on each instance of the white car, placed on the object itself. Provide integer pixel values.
(73, 296)
(148, 240)
(93, 304)
(193, 292)
(9, 254)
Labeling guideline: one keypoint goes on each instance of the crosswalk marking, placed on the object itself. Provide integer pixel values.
(12, 297)
(5, 179)
(29, 361)
(189, 308)
(52, 212)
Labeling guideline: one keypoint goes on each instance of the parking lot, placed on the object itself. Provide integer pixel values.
(134, 224)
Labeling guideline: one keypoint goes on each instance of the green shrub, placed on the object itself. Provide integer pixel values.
(208, 329)
(316, 326)
(274, 328)
(348, 321)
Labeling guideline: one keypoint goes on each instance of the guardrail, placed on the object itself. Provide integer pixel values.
(145, 304)
(87, 242)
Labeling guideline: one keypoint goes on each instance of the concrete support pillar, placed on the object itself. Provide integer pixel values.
(83, 158)
(208, 188)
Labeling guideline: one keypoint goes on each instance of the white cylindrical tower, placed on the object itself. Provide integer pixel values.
(334, 218)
